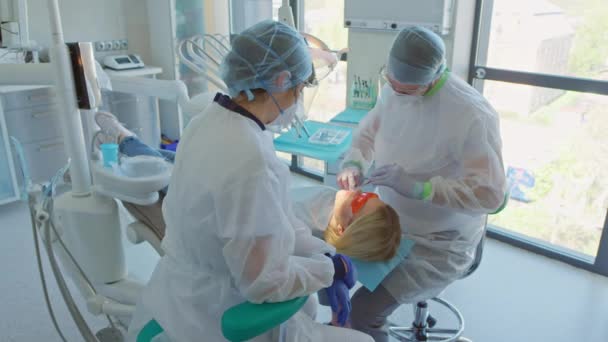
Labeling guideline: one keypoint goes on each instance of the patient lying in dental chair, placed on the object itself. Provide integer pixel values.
(357, 224)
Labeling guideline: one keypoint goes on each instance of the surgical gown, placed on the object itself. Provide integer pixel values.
(452, 139)
(231, 235)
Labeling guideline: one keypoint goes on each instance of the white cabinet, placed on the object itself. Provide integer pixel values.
(29, 114)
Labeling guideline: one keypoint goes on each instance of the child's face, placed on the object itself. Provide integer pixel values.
(343, 208)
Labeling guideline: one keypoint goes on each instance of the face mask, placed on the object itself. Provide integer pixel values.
(287, 116)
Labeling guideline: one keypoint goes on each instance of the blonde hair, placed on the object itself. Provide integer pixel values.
(372, 237)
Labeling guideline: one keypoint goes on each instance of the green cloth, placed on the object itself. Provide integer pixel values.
(427, 190)
(444, 77)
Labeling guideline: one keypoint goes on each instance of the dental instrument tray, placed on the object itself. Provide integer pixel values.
(329, 136)
(327, 141)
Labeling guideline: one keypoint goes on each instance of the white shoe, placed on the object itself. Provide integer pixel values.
(111, 127)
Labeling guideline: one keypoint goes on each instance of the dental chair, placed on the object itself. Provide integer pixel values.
(241, 322)
(423, 326)
(244, 321)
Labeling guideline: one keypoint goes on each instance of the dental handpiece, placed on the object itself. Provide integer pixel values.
(303, 126)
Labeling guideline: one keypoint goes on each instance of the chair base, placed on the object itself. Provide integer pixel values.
(423, 329)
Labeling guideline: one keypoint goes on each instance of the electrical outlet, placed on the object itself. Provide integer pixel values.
(111, 45)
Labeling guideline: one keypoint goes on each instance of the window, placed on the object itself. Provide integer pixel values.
(555, 147)
(543, 64)
(560, 37)
(324, 20)
(276, 4)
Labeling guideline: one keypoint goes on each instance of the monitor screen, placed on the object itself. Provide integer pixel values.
(123, 60)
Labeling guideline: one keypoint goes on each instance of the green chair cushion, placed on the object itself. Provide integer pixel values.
(247, 320)
(149, 331)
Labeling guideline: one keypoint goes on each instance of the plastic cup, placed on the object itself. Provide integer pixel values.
(109, 152)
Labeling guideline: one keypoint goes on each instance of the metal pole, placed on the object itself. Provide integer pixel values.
(70, 115)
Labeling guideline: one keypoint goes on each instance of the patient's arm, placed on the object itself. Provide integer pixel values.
(342, 207)
(342, 214)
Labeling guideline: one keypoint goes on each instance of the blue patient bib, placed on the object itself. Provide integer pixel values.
(371, 274)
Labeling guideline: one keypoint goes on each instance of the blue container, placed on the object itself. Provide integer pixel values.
(109, 153)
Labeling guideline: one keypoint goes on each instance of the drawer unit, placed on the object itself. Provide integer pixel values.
(27, 98)
(33, 123)
(44, 158)
(31, 116)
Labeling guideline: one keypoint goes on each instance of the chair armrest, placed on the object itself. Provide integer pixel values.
(149, 331)
(245, 321)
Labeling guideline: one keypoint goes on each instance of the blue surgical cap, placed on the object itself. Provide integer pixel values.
(258, 56)
(417, 56)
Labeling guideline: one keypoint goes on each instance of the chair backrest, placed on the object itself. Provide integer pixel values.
(478, 252)
(479, 249)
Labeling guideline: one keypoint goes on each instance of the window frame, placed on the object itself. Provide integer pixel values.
(478, 73)
(295, 165)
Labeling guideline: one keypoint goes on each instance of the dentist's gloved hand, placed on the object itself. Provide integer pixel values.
(345, 277)
(339, 300)
(395, 177)
(350, 177)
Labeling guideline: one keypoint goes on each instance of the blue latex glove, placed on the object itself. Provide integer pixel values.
(393, 176)
(344, 270)
(339, 300)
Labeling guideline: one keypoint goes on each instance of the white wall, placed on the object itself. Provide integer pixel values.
(136, 22)
(369, 49)
(95, 20)
(462, 38)
(83, 20)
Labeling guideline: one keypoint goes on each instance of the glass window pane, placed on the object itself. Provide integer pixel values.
(555, 150)
(561, 37)
(276, 4)
(324, 20)
(284, 156)
(312, 165)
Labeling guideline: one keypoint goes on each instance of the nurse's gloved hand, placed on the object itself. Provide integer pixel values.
(344, 270)
(339, 300)
(393, 176)
(350, 177)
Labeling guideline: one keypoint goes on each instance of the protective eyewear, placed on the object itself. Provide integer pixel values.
(400, 88)
(360, 200)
